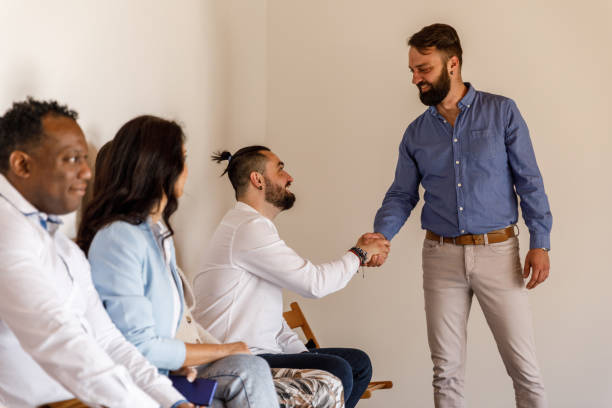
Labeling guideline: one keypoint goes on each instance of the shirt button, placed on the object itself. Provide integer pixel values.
(188, 319)
(457, 162)
(468, 106)
(462, 231)
(459, 185)
(443, 120)
(460, 208)
(455, 140)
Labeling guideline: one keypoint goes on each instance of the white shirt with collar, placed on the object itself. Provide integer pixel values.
(56, 340)
(247, 266)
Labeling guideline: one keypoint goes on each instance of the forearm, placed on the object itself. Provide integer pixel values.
(198, 354)
(401, 197)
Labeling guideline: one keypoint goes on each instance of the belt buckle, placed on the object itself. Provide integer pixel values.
(478, 239)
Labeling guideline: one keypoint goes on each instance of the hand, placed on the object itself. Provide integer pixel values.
(377, 247)
(377, 260)
(189, 372)
(187, 405)
(239, 347)
(536, 260)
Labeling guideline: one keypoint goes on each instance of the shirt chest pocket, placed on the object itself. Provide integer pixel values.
(481, 144)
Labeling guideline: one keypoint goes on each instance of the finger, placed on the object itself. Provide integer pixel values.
(384, 245)
(381, 260)
(373, 261)
(526, 268)
(543, 275)
(191, 376)
(535, 273)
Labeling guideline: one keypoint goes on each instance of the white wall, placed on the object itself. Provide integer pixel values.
(339, 99)
(202, 63)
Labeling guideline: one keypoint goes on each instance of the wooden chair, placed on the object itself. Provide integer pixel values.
(295, 318)
(73, 403)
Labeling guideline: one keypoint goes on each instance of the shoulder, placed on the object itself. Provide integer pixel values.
(255, 225)
(423, 118)
(415, 128)
(122, 234)
(18, 231)
(490, 99)
(255, 231)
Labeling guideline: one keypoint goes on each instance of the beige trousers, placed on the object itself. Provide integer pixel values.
(451, 275)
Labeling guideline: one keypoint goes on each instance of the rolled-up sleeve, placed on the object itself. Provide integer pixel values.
(117, 271)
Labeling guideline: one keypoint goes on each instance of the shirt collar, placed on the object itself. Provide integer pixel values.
(463, 104)
(468, 99)
(14, 197)
(244, 206)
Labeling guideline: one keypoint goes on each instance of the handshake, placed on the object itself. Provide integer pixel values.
(376, 246)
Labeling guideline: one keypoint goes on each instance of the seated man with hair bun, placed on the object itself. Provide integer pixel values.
(247, 265)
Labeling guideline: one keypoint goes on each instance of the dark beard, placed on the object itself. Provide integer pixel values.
(437, 91)
(278, 196)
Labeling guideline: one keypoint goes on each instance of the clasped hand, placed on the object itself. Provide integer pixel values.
(377, 247)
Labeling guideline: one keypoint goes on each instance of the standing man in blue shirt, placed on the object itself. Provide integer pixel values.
(472, 153)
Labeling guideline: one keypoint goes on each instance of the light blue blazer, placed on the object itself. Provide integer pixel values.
(129, 272)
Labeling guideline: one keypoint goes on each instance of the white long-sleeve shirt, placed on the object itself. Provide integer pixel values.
(239, 289)
(56, 340)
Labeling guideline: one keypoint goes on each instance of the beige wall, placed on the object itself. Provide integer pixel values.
(326, 85)
(339, 99)
(202, 63)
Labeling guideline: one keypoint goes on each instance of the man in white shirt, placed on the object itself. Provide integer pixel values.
(247, 265)
(56, 340)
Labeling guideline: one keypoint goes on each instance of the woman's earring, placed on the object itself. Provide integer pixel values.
(261, 187)
(451, 72)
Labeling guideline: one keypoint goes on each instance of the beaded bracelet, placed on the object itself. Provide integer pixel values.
(361, 254)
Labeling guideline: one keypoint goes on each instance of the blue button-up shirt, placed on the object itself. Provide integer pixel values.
(471, 173)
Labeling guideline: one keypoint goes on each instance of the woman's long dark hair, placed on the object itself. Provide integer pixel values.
(133, 172)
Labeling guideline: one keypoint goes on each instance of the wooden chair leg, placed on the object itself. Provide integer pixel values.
(376, 385)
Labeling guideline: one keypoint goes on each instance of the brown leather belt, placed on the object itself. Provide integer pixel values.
(477, 239)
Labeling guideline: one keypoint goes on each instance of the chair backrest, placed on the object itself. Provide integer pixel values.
(295, 318)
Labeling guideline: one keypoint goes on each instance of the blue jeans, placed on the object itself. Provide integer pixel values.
(243, 381)
(351, 366)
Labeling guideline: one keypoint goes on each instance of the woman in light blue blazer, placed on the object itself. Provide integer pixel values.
(127, 234)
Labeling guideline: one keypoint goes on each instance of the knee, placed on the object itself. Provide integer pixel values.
(448, 372)
(252, 365)
(341, 369)
(363, 364)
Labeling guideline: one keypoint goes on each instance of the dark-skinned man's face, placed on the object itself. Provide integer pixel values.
(58, 172)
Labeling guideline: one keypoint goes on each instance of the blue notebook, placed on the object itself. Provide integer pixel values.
(200, 392)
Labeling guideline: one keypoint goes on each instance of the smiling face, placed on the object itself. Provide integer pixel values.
(57, 171)
(430, 74)
(277, 180)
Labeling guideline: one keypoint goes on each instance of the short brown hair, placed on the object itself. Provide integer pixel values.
(441, 36)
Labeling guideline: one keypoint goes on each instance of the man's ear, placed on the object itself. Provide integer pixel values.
(20, 164)
(256, 180)
(453, 64)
